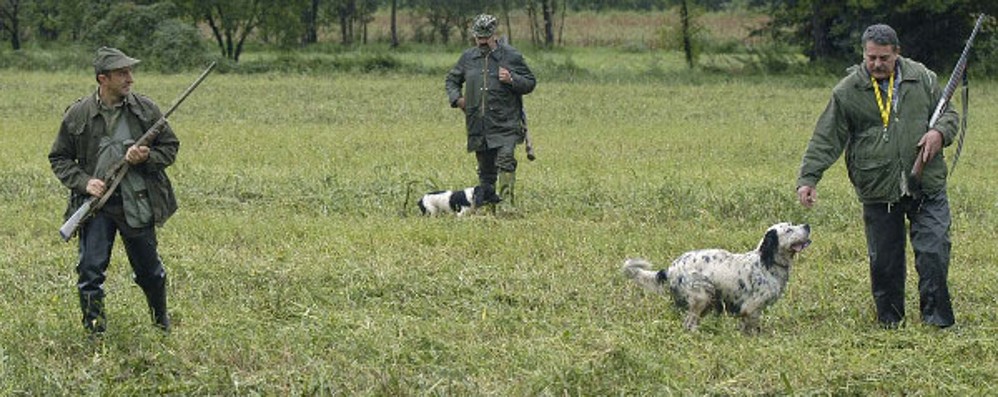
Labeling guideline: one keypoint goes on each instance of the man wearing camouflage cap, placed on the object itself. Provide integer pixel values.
(98, 131)
(495, 77)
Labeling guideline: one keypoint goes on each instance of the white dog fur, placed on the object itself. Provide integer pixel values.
(742, 284)
(460, 202)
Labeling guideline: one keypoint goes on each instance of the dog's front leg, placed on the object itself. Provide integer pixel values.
(750, 319)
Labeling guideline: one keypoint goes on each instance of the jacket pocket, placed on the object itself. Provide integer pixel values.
(473, 121)
(872, 178)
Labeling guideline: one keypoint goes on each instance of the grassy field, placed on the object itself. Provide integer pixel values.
(297, 269)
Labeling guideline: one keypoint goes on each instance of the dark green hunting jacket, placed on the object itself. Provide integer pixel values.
(880, 161)
(74, 154)
(492, 108)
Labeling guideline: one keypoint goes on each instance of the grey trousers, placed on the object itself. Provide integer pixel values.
(929, 224)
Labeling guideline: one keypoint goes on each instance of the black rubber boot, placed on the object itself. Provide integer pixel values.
(490, 196)
(156, 298)
(94, 319)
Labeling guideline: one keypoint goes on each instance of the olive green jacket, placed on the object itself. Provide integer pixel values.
(73, 156)
(879, 162)
(492, 108)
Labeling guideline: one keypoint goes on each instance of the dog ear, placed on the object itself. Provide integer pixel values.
(767, 250)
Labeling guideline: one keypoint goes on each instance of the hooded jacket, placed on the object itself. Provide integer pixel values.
(879, 161)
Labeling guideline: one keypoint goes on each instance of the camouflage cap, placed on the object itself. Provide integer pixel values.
(111, 59)
(484, 25)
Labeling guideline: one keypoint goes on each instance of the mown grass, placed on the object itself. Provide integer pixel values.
(297, 269)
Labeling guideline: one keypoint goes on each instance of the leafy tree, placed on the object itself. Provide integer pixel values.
(352, 16)
(230, 21)
(542, 14)
(281, 22)
(127, 26)
(151, 32)
(931, 31)
(10, 21)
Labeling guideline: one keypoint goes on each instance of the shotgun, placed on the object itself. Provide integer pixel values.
(954, 80)
(118, 170)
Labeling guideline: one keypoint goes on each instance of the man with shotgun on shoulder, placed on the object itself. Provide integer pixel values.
(892, 120)
(98, 131)
(495, 77)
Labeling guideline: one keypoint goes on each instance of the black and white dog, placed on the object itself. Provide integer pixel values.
(742, 284)
(460, 202)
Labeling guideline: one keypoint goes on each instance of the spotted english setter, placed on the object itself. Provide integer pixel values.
(741, 284)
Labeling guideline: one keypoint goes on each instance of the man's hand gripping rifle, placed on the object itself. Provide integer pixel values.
(119, 169)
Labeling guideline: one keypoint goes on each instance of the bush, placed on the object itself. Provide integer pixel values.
(176, 46)
(173, 45)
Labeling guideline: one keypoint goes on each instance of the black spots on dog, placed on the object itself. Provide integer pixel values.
(459, 199)
(706, 258)
(662, 277)
(741, 285)
(767, 250)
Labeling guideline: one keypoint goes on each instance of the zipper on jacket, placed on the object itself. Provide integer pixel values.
(485, 82)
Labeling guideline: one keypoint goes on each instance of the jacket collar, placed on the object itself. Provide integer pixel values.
(495, 53)
(92, 104)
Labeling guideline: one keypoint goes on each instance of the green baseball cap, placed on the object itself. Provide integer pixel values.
(112, 59)
(484, 25)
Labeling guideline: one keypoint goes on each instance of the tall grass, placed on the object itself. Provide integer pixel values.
(297, 268)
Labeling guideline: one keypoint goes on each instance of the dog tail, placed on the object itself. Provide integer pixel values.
(640, 271)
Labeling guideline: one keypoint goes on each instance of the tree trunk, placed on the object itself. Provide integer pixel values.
(819, 33)
(684, 16)
(561, 26)
(310, 18)
(547, 8)
(532, 17)
(509, 25)
(347, 13)
(217, 33)
(395, 31)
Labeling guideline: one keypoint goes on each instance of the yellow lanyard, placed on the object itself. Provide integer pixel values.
(885, 110)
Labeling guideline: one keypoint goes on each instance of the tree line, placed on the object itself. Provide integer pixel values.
(825, 30)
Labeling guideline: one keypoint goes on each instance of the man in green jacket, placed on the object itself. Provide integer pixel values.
(98, 131)
(495, 77)
(878, 115)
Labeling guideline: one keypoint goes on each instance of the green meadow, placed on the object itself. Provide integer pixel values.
(299, 265)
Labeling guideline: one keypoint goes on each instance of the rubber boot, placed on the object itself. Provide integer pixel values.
(156, 298)
(507, 181)
(94, 319)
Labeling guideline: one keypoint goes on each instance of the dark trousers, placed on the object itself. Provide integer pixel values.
(929, 219)
(97, 240)
(488, 171)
